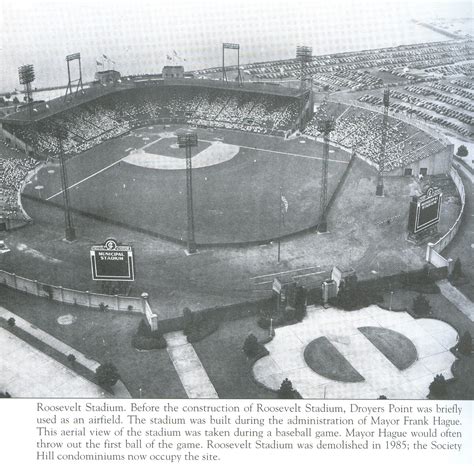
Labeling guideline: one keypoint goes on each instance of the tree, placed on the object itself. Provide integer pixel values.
(5, 395)
(421, 306)
(300, 303)
(462, 151)
(144, 329)
(11, 322)
(457, 269)
(107, 375)
(71, 358)
(464, 345)
(15, 100)
(251, 345)
(438, 388)
(382, 397)
(287, 392)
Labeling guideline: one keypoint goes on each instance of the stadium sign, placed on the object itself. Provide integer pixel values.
(111, 261)
(424, 210)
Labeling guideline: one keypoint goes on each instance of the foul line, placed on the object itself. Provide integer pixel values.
(100, 171)
(85, 179)
(282, 153)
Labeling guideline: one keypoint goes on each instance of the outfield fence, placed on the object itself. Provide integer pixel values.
(434, 250)
(69, 296)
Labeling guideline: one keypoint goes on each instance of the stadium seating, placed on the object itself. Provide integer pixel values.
(115, 114)
(14, 167)
(361, 129)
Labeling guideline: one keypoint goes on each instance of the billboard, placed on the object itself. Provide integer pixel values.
(112, 262)
(425, 210)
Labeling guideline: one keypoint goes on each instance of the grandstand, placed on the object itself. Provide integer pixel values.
(14, 168)
(409, 149)
(113, 114)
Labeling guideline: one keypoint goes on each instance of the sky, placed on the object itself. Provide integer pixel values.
(139, 34)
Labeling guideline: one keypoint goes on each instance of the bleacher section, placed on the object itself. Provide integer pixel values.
(115, 114)
(360, 129)
(14, 167)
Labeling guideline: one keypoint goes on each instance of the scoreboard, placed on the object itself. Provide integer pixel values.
(111, 261)
(424, 211)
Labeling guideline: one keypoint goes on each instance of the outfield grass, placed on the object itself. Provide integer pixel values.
(236, 201)
(326, 360)
(102, 336)
(397, 348)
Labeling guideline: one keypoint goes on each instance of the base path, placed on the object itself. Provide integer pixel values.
(193, 376)
(451, 293)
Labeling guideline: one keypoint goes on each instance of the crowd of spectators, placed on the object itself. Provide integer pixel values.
(115, 114)
(14, 167)
(361, 130)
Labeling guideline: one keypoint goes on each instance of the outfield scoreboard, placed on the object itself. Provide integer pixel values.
(112, 262)
(424, 211)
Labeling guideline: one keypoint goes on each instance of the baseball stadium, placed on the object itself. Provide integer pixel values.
(240, 199)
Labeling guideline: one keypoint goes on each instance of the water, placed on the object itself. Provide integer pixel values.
(139, 35)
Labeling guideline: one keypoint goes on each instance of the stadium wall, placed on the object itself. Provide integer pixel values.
(11, 139)
(436, 164)
(434, 250)
(69, 296)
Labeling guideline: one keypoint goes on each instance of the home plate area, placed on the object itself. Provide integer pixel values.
(359, 355)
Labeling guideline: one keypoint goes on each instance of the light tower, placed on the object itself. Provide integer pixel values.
(386, 102)
(76, 83)
(230, 46)
(188, 140)
(26, 74)
(304, 55)
(325, 126)
(61, 134)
